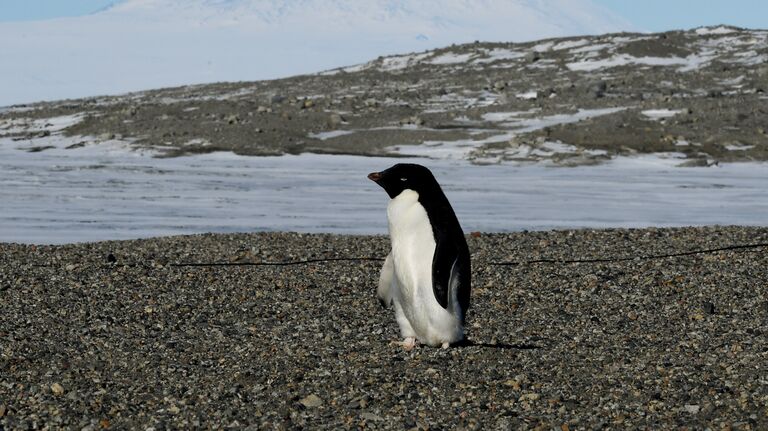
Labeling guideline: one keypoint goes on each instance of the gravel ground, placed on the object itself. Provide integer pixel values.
(137, 343)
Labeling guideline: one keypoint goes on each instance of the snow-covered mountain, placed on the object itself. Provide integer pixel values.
(140, 44)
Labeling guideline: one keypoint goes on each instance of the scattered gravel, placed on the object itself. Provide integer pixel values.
(111, 335)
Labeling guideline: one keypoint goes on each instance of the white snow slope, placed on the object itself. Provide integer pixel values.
(141, 44)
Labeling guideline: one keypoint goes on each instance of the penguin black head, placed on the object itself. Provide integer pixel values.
(405, 176)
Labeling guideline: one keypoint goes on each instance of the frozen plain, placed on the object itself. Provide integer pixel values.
(108, 192)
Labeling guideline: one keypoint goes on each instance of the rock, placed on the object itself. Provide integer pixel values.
(701, 162)
(533, 56)
(415, 120)
(277, 99)
(131, 111)
(311, 401)
(691, 408)
(57, 389)
(371, 416)
(308, 103)
(359, 403)
(335, 120)
(708, 307)
(598, 89)
(263, 109)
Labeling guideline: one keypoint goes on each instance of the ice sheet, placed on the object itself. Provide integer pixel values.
(106, 192)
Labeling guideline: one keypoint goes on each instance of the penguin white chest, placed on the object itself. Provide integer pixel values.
(413, 249)
(413, 243)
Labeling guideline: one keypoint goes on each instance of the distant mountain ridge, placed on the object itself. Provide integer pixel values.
(571, 17)
(141, 44)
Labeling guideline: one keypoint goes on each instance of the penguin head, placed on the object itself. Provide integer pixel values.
(405, 176)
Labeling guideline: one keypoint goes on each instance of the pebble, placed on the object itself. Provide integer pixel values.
(708, 307)
(311, 401)
(692, 408)
(57, 389)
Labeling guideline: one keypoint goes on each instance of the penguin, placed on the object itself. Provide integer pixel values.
(427, 274)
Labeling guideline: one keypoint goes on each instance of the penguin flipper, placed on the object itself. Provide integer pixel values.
(386, 278)
(451, 277)
(443, 264)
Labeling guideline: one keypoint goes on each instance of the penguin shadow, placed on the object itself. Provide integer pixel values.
(501, 346)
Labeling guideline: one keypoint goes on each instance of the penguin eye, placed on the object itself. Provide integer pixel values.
(403, 179)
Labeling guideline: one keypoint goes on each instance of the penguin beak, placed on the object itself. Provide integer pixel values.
(375, 176)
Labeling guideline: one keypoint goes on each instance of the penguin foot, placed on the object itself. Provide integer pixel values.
(446, 345)
(408, 343)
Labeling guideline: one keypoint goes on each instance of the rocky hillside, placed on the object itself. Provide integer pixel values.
(697, 95)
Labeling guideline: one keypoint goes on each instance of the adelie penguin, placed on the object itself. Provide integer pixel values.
(426, 276)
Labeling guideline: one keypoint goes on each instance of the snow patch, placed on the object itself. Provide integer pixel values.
(331, 134)
(451, 58)
(738, 147)
(706, 31)
(499, 54)
(528, 95)
(692, 62)
(657, 114)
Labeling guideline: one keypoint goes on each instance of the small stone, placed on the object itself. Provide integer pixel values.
(692, 408)
(57, 389)
(708, 307)
(371, 416)
(598, 89)
(632, 315)
(308, 104)
(277, 98)
(532, 396)
(70, 267)
(174, 410)
(335, 120)
(311, 401)
(2, 410)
